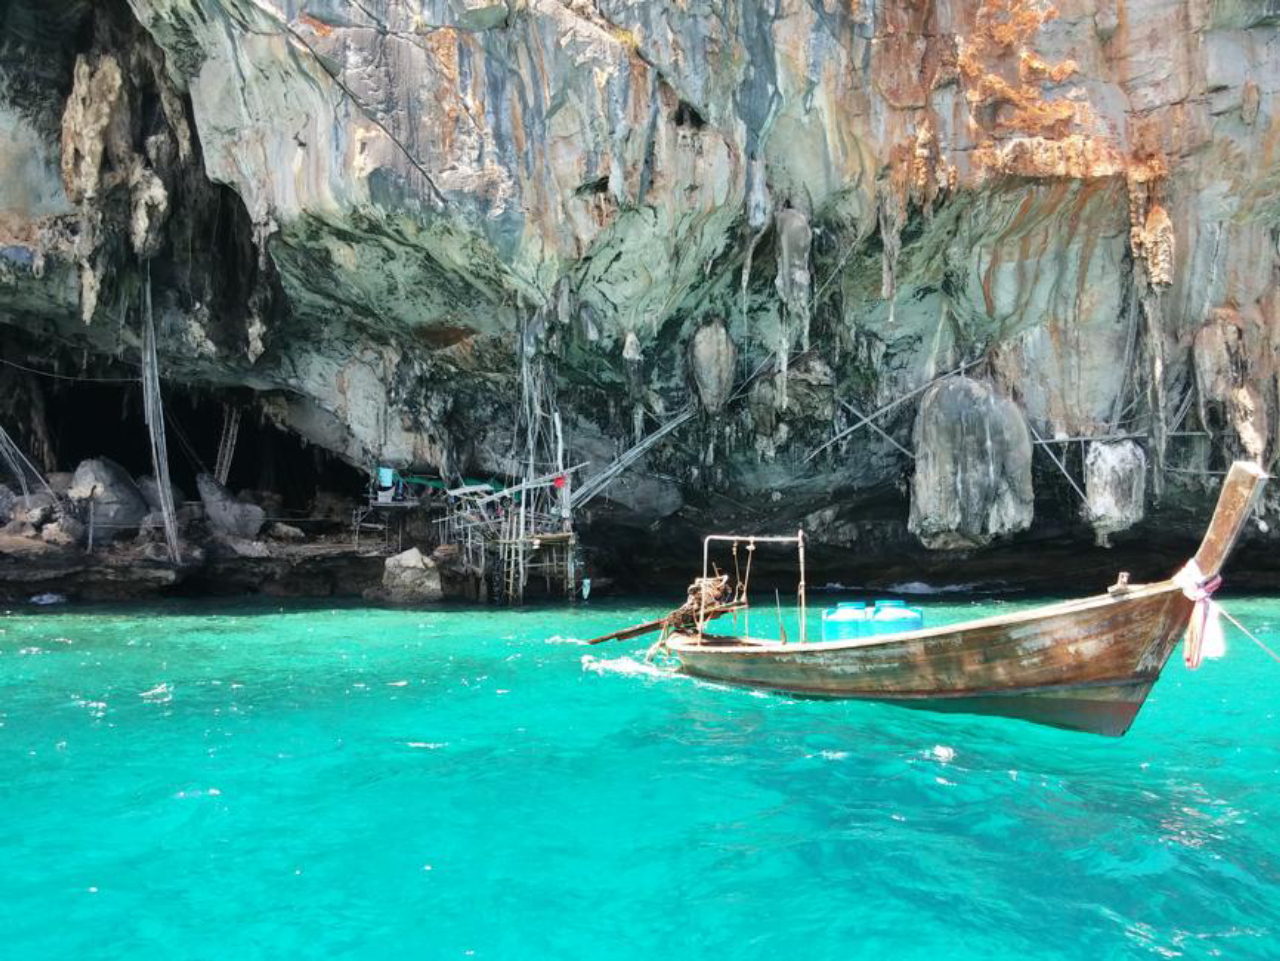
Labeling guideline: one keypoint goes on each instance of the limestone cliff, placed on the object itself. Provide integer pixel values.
(786, 214)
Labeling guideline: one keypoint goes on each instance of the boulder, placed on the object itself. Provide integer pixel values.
(285, 532)
(60, 481)
(225, 514)
(66, 531)
(19, 528)
(118, 505)
(973, 467)
(1115, 485)
(242, 546)
(150, 489)
(410, 578)
(36, 508)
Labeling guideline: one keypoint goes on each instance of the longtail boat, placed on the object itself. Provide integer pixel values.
(1086, 665)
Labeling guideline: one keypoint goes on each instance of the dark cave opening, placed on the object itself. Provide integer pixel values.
(92, 419)
(687, 115)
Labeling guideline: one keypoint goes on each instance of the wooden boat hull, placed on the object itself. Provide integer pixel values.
(1084, 665)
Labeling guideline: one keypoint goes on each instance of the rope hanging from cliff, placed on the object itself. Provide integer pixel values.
(20, 466)
(154, 410)
(598, 482)
(57, 376)
(227, 445)
(888, 407)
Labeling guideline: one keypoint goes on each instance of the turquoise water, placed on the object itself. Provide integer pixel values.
(205, 781)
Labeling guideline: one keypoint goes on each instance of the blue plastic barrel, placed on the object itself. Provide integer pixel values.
(894, 617)
(845, 621)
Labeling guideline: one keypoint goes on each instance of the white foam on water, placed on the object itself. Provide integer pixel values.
(210, 792)
(832, 755)
(626, 666)
(426, 745)
(397, 683)
(95, 708)
(940, 752)
(160, 693)
(557, 639)
(920, 587)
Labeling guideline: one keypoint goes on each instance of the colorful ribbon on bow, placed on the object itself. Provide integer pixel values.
(1204, 632)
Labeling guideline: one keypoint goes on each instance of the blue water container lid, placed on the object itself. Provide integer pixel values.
(856, 605)
(881, 603)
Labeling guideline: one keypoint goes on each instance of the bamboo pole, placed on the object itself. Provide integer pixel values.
(804, 608)
(154, 410)
(888, 407)
(1054, 457)
(877, 428)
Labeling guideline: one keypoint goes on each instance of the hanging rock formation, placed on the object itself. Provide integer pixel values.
(973, 467)
(353, 209)
(1237, 358)
(1115, 483)
(713, 360)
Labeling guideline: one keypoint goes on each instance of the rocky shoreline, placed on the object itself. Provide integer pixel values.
(229, 547)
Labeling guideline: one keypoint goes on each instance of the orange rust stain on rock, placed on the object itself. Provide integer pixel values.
(1019, 131)
(319, 26)
(443, 45)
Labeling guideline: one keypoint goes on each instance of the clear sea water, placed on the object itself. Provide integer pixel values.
(258, 781)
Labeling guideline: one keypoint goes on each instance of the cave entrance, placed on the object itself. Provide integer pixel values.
(84, 419)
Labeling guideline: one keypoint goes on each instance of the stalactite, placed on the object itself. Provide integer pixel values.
(890, 216)
(793, 282)
(1151, 242)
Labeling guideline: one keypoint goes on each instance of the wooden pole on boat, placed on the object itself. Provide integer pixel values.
(1235, 504)
(803, 605)
(670, 620)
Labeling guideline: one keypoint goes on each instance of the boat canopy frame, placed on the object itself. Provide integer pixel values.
(751, 540)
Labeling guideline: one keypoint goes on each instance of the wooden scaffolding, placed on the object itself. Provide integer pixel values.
(508, 535)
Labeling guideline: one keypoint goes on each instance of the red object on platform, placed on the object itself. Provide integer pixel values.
(559, 482)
